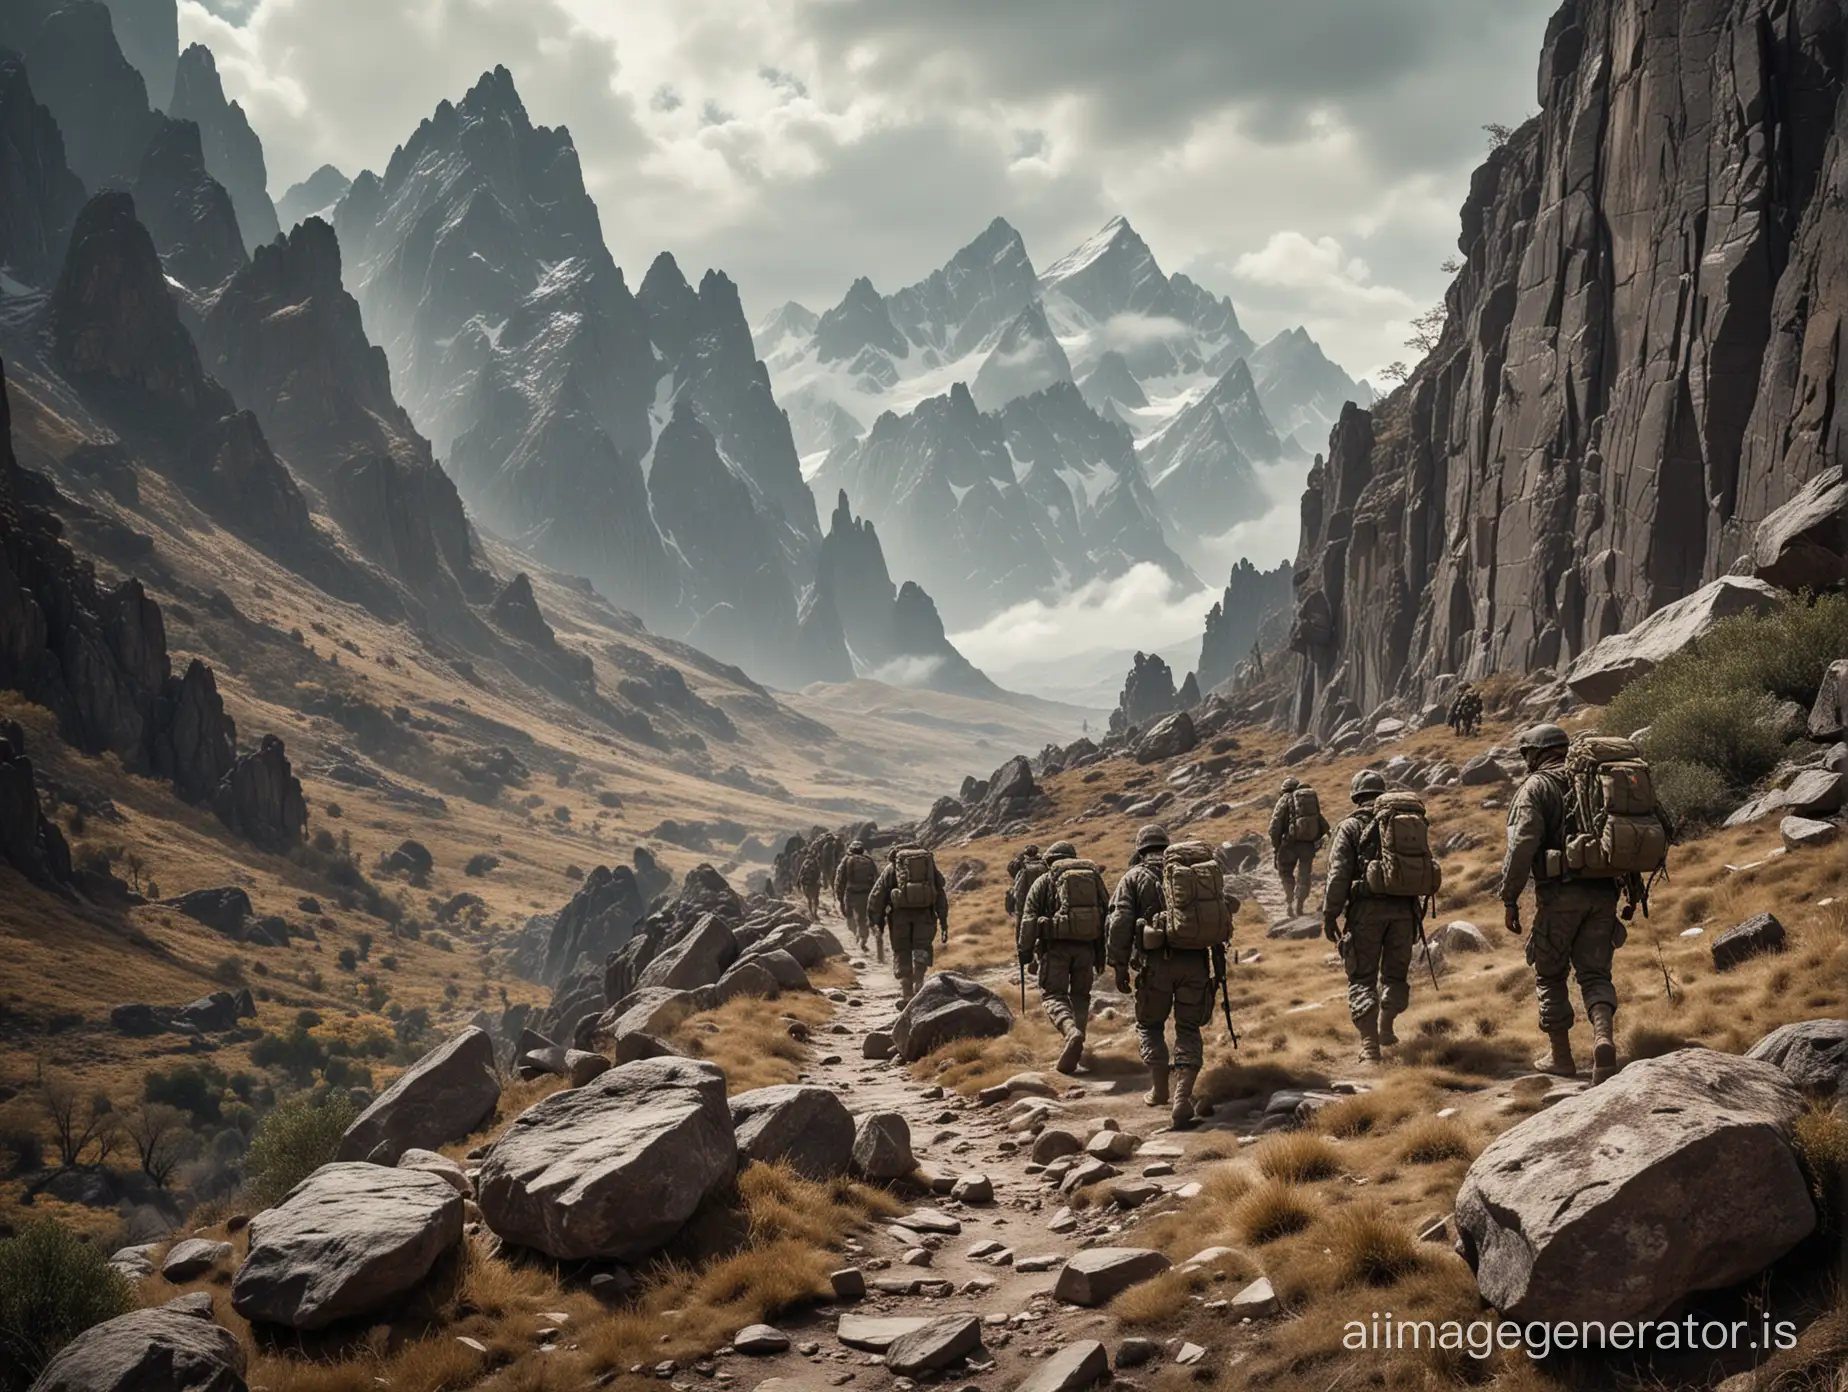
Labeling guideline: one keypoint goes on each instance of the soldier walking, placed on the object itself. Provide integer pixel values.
(1297, 829)
(853, 882)
(1177, 966)
(1576, 928)
(1376, 945)
(1062, 926)
(907, 901)
(808, 880)
(1466, 711)
(1022, 871)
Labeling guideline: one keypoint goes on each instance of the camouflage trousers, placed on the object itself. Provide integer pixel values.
(1296, 870)
(912, 953)
(1377, 952)
(1066, 972)
(853, 909)
(812, 893)
(1178, 984)
(1576, 930)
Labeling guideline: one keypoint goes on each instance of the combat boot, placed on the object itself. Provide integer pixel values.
(1368, 1025)
(1182, 1116)
(1559, 1063)
(1604, 1043)
(1157, 1095)
(1386, 1036)
(1072, 1052)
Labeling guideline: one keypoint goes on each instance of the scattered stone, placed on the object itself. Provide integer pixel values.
(882, 1146)
(803, 1125)
(161, 1349)
(614, 1169)
(1134, 1193)
(947, 1007)
(849, 1283)
(1157, 1170)
(917, 1256)
(194, 1256)
(1063, 1221)
(875, 1333)
(756, 1339)
(1189, 1355)
(1257, 1301)
(1800, 833)
(937, 1344)
(1112, 1145)
(1072, 1368)
(1092, 1171)
(349, 1240)
(1483, 771)
(1045, 1261)
(1759, 933)
(1692, 1148)
(876, 1045)
(1812, 1053)
(984, 1249)
(973, 1189)
(1052, 1143)
(581, 1065)
(929, 1220)
(430, 1162)
(1101, 1274)
(441, 1098)
(1134, 1353)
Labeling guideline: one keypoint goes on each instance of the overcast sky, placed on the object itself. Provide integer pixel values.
(1306, 157)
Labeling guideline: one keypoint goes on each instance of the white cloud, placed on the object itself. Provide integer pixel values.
(1143, 608)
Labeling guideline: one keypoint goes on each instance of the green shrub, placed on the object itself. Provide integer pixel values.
(53, 1286)
(293, 1142)
(1691, 794)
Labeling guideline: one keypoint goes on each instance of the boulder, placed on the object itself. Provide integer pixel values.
(877, 1045)
(1299, 751)
(223, 910)
(210, 1014)
(1813, 792)
(1803, 545)
(1828, 717)
(698, 959)
(444, 1096)
(445, 1169)
(137, 1018)
(1674, 1176)
(1483, 770)
(804, 1126)
(581, 1065)
(350, 1240)
(632, 1047)
(1614, 662)
(1072, 1368)
(654, 1010)
(614, 1169)
(1806, 833)
(1813, 1054)
(882, 1146)
(193, 1256)
(748, 978)
(759, 1339)
(948, 1006)
(136, 1263)
(1300, 929)
(1462, 936)
(161, 1349)
(1759, 933)
(1169, 738)
(938, 1344)
(1097, 1276)
(876, 1333)
(789, 973)
(539, 1063)
(1256, 1301)
(1053, 1143)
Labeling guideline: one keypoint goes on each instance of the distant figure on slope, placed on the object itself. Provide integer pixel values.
(853, 882)
(1170, 920)
(1029, 864)
(1061, 928)
(808, 880)
(1297, 828)
(907, 901)
(1379, 869)
(1466, 711)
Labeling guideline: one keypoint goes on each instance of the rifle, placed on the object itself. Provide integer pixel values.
(1023, 988)
(1431, 962)
(1225, 1000)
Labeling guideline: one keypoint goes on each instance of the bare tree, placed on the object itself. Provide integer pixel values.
(1428, 330)
(75, 1120)
(161, 1138)
(1499, 135)
(1452, 264)
(1395, 372)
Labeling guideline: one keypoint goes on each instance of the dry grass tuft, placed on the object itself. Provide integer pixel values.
(1273, 1210)
(748, 1037)
(1297, 1158)
(1368, 1248)
(1435, 1139)
(1644, 1042)
(1822, 1147)
(1158, 1304)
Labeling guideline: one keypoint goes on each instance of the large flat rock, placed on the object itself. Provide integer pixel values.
(1099, 1275)
(1616, 661)
(444, 1096)
(162, 1349)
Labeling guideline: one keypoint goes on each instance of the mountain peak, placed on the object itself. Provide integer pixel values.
(664, 278)
(1112, 272)
(494, 94)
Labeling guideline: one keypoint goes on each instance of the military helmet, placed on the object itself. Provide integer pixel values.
(856, 848)
(1032, 852)
(1153, 837)
(1061, 850)
(1544, 736)
(1366, 785)
(1290, 785)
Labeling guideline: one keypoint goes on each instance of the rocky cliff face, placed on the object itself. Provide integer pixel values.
(232, 151)
(1642, 360)
(148, 32)
(1255, 602)
(78, 71)
(185, 210)
(39, 196)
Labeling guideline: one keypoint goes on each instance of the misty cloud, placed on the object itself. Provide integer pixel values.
(1143, 608)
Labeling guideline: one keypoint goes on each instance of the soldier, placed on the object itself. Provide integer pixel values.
(1576, 928)
(1062, 924)
(853, 882)
(1168, 981)
(1030, 863)
(907, 898)
(1292, 848)
(1381, 928)
(1466, 711)
(808, 880)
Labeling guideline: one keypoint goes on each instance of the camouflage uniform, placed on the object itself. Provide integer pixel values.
(852, 900)
(808, 878)
(1576, 929)
(910, 929)
(1376, 949)
(1295, 859)
(1067, 970)
(1466, 711)
(1168, 982)
(1025, 870)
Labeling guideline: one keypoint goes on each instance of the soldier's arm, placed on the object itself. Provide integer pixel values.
(1279, 822)
(1526, 835)
(943, 903)
(1343, 865)
(877, 900)
(1033, 908)
(840, 879)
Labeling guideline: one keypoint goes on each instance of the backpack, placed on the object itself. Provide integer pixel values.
(1193, 889)
(914, 886)
(1306, 822)
(1078, 913)
(1032, 869)
(1402, 866)
(861, 872)
(1614, 825)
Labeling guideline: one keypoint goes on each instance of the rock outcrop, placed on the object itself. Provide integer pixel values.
(185, 210)
(1675, 1176)
(947, 1007)
(261, 798)
(1638, 367)
(1813, 1054)
(39, 196)
(232, 151)
(442, 1097)
(30, 841)
(1614, 662)
(1252, 614)
(161, 1349)
(804, 1127)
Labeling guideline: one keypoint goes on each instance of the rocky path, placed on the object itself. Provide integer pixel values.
(991, 1234)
